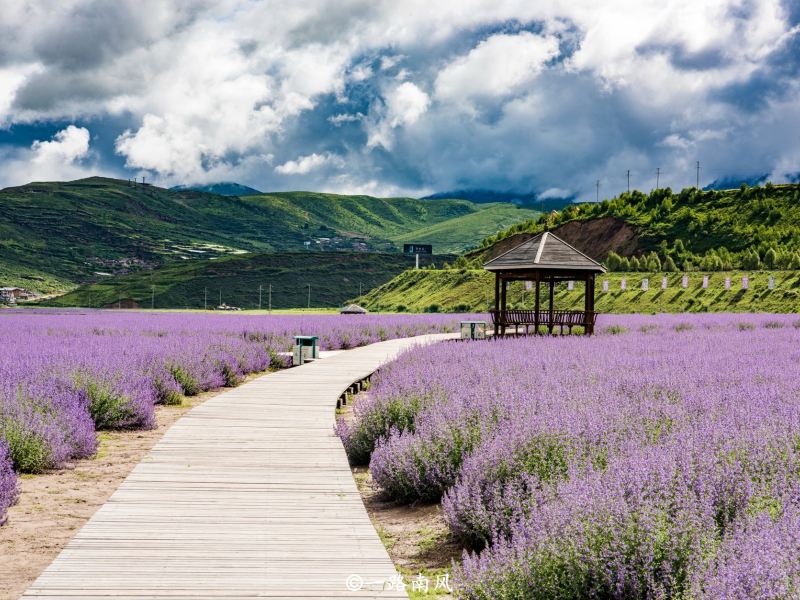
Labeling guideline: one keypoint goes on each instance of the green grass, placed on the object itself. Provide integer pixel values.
(56, 235)
(334, 279)
(473, 290)
(455, 234)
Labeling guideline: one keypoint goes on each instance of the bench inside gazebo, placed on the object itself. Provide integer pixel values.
(543, 259)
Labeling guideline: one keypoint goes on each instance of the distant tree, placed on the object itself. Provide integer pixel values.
(669, 265)
(751, 261)
(634, 264)
(613, 261)
(624, 264)
(653, 263)
(771, 258)
(794, 263)
(679, 247)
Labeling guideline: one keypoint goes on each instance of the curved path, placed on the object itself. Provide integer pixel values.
(247, 496)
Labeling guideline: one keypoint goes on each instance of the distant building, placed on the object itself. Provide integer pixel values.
(10, 295)
(417, 249)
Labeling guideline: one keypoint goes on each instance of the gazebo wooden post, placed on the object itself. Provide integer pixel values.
(588, 304)
(503, 303)
(537, 306)
(496, 292)
(550, 319)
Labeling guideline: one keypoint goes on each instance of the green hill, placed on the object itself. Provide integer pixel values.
(450, 235)
(234, 280)
(471, 290)
(56, 235)
(712, 230)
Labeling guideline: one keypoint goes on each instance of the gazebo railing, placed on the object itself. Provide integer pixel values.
(503, 319)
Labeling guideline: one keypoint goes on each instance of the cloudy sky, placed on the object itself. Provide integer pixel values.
(391, 97)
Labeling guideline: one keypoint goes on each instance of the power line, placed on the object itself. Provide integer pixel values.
(698, 175)
(629, 181)
(658, 177)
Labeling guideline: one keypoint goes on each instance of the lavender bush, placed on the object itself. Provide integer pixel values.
(64, 374)
(658, 459)
(8, 482)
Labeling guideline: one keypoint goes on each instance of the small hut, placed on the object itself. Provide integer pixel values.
(353, 309)
(543, 259)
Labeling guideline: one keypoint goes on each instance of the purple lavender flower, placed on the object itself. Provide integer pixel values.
(641, 463)
(8, 482)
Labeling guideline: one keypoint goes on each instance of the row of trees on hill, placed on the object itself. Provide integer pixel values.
(716, 259)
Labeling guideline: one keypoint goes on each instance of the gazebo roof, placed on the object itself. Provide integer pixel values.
(353, 309)
(545, 252)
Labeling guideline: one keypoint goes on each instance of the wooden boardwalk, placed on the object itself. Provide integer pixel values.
(247, 496)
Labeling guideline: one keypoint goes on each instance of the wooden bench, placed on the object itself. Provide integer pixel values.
(502, 319)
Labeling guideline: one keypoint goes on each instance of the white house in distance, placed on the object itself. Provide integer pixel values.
(10, 295)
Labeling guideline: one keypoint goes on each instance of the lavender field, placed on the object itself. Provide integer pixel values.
(658, 459)
(65, 375)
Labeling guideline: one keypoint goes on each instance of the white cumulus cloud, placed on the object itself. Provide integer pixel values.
(305, 164)
(404, 104)
(499, 65)
(66, 156)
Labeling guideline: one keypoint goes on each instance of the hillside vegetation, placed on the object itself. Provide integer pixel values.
(471, 290)
(335, 277)
(750, 227)
(56, 235)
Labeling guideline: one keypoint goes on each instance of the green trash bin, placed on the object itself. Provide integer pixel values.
(305, 348)
(473, 330)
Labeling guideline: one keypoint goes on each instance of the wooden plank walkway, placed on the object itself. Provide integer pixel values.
(247, 496)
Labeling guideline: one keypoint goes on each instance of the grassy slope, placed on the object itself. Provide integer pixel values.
(454, 234)
(334, 278)
(472, 290)
(759, 217)
(53, 235)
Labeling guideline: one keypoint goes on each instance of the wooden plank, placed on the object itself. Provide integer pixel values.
(249, 495)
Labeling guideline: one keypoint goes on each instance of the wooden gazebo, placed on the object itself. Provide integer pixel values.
(543, 259)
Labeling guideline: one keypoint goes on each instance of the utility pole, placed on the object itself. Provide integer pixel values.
(259, 297)
(270, 298)
(359, 289)
(309, 296)
(205, 298)
(658, 177)
(698, 175)
(629, 181)
(597, 196)
(220, 298)
(152, 296)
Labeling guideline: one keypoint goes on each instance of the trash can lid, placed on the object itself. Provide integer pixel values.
(306, 338)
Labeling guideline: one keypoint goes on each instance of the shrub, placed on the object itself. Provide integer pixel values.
(8, 481)
(189, 384)
(111, 408)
